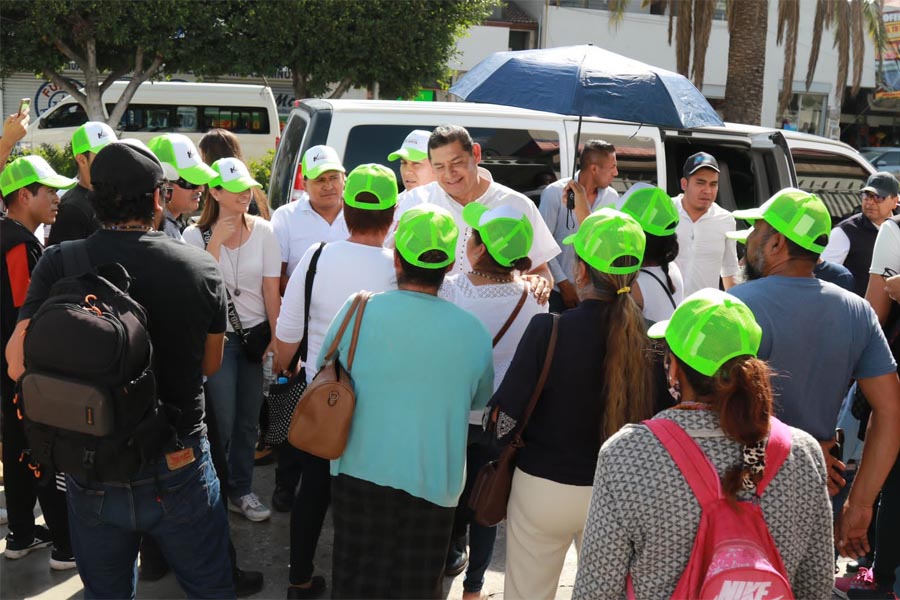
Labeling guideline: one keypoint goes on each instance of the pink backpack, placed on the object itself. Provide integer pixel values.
(734, 556)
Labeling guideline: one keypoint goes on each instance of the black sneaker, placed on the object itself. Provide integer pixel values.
(282, 499)
(315, 590)
(19, 548)
(61, 560)
(247, 583)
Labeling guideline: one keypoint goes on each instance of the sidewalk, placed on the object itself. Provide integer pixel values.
(260, 546)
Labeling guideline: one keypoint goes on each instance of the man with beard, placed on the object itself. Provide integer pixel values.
(818, 337)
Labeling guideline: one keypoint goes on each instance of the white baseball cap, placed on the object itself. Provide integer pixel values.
(180, 158)
(414, 148)
(92, 136)
(232, 175)
(319, 159)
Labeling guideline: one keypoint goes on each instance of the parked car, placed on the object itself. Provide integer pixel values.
(883, 159)
(182, 107)
(518, 145)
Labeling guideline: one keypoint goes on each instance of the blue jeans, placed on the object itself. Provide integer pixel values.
(181, 510)
(236, 391)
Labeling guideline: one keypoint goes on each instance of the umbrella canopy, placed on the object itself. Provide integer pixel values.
(587, 81)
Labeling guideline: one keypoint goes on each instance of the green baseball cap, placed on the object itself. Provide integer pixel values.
(426, 227)
(653, 208)
(799, 216)
(708, 329)
(178, 152)
(232, 175)
(606, 236)
(505, 231)
(414, 147)
(376, 179)
(92, 136)
(319, 159)
(26, 170)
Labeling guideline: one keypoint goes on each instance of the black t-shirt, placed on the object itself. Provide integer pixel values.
(20, 252)
(180, 288)
(76, 218)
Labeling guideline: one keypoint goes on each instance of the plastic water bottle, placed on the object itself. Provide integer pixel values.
(268, 375)
(282, 380)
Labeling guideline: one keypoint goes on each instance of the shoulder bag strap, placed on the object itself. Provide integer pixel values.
(332, 350)
(663, 286)
(310, 278)
(539, 388)
(360, 310)
(777, 450)
(233, 317)
(512, 317)
(693, 463)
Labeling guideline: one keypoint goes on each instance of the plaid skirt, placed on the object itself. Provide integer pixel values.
(387, 543)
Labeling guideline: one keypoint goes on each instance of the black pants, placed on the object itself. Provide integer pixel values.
(307, 515)
(887, 530)
(21, 487)
(289, 467)
(387, 543)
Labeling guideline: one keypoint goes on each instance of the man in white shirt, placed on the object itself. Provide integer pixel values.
(598, 168)
(704, 253)
(852, 241)
(318, 217)
(458, 181)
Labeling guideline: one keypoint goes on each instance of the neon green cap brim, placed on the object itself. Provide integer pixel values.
(239, 185)
(749, 214)
(199, 174)
(408, 154)
(59, 182)
(313, 173)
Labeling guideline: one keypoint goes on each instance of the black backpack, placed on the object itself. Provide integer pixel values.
(89, 392)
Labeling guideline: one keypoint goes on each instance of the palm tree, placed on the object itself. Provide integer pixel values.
(747, 29)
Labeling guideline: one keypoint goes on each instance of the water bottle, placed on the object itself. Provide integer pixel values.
(282, 380)
(268, 375)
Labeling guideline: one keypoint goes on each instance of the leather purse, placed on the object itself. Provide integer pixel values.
(490, 492)
(321, 422)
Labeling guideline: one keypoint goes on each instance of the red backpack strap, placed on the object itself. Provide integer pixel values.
(694, 465)
(777, 450)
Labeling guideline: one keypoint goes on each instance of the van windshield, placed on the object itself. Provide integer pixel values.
(70, 114)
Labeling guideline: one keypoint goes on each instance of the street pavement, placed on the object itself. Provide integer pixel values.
(260, 546)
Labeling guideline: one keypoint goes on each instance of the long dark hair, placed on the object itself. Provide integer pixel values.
(660, 251)
(741, 395)
(627, 374)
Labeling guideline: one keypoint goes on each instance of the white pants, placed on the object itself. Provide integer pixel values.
(543, 519)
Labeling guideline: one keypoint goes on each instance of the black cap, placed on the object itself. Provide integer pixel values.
(127, 167)
(701, 160)
(882, 183)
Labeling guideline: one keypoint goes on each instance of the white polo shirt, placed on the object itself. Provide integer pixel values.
(543, 248)
(704, 253)
(297, 227)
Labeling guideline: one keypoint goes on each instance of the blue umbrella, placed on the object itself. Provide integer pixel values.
(587, 81)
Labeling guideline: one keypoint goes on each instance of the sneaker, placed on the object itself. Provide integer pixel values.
(19, 548)
(250, 506)
(860, 586)
(60, 560)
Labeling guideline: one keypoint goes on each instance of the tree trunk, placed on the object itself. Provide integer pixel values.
(746, 61)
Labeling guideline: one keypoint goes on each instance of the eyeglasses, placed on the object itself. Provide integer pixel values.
(165, 192)
(186, 185)
(888, 273)
(870, 196)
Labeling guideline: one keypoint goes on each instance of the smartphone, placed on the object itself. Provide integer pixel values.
(24, 105)
(570, 200)
(837, 450)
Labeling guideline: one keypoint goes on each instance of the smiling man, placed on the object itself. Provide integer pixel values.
(29, 188)
(454, 158)
(704, 252)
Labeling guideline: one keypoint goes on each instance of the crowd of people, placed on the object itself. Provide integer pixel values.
(574, 335)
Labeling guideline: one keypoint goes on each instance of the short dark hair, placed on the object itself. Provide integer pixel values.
(444, 135)
(410, 273)
(10, 198)
(361, 220)
(797, 251)
(662, 250)
(593, 149)
(113, 206)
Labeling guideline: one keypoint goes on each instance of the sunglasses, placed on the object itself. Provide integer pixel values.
(186, 185)
(863, 196)
(165, 192)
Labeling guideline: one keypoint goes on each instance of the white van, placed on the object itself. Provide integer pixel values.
(520, 146)
(158, 107)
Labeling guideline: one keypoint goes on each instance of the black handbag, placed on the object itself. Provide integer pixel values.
(283, 397)
(255, 341)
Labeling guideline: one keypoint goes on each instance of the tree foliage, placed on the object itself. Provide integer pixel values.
(336, 44)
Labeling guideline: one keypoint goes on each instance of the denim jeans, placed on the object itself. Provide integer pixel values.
(181, 510)
(236, 391)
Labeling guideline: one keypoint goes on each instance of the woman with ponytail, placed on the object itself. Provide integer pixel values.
(599, 380)
(644, 517)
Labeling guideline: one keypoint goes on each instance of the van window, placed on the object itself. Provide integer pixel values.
(834, 178)
(67, 115)
(192, 118)
(635, 159)
(236, 119)
(283, 167)
(518, 158)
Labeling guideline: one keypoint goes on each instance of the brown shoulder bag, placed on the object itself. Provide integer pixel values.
(490, 493)
(321, 421)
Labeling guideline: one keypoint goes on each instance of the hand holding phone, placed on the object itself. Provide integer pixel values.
(24, 106)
